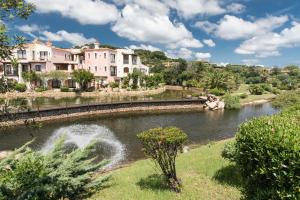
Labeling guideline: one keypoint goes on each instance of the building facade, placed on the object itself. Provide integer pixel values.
(107, 65)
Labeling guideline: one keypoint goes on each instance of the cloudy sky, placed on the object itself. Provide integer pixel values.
(222, 31)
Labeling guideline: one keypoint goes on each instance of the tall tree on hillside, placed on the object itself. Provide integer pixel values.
(12, 10)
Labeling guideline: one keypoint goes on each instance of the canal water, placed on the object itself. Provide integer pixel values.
(117, 134)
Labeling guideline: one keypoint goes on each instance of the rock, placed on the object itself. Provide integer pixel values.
(4, 154)
(211, 105)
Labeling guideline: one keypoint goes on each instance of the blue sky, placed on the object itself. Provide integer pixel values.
(223, 31)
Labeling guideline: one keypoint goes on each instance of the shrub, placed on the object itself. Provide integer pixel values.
(64, 89)
(268, 153)
(256, 90)
(243, 96)
(114, 84)
(266, 87)
(20, 87)
(275, 91)
(41, 89)
(287, 99)
(229, 151)
(217, 92)
(163, 145)
(232, 102)
(57, 175)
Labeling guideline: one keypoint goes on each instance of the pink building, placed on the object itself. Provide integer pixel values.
(107, 65)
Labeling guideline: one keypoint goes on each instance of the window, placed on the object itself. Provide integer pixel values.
(104, 55)
(10, 70)
(43, 55)
(89, 55)
(134, 60)
(71, 83)
(33, 55)
(89, 68)
(113, 71)
(95, 68)
(112, 58)
(21, 54)
(38, 68)
(56, 83)
(65, 56)
(126, 70)
(105, 68)
(125, 59)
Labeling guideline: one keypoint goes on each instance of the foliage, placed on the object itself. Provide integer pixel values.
(114, 84)
(229, 151)
(57, 75)
(65, 89)
(20, 87)
(256, 89)
(135, 77)
(243, 96)
(30, 76)
(6, 86)
(40, 89)
(27, 174)
(232, 102)
(268, 153)
(125, 82)
(217, 92)
(154, 80)
(163, 145)
(11, 10)
(83, 77)
(287, 99)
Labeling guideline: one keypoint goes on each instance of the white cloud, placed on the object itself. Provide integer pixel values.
(191, 8)
(139, 24)
(145, 47)
(209, 42)
(236, 8)
(231, 27)
(84, 11)
(181, 53)
(206, 26)
(72, 38)
(202, 56)
(270, 44)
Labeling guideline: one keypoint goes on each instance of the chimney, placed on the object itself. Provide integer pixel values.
(49, 43)
(97, 45)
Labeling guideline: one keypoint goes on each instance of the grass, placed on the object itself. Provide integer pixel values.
(244, 89)
(205, 175)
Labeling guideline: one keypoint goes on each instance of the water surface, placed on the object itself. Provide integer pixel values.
(118, 133)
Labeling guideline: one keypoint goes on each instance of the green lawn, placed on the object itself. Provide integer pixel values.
(205, 175)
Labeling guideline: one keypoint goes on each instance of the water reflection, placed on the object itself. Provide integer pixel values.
(201, 127)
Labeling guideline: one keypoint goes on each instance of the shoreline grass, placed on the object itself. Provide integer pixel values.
(204, 173)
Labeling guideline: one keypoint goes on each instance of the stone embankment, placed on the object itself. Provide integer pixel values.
(105, 92)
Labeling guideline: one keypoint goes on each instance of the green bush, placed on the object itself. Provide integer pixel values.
(28, 174)
(268, 153)
(20, 87)
(256, 90)
(163, 145)
(266, 87)
(243, 96)
(232, 102)
(64, 89)
(275, 91)
(217, 92)
(114, 84)
(40, 89)
(287, 99)
(229, 151)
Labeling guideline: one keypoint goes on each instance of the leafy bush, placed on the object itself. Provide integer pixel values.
(232, 102)
(163, 145)
(268, 153)
(266, 87)
(287, 99)
(30, 175)
(243, 96)
(41, 89)
(217, 92)
(64, 89)
(20, 87)
(229, 151)
(256, 90)
(114, 84)
(275, 91)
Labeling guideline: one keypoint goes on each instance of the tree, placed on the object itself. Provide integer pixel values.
(163, 146)
(83, 77)
(30, 77)
(11, 10)
(58, 75)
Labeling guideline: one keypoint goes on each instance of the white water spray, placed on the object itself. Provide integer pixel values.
(82, 135)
